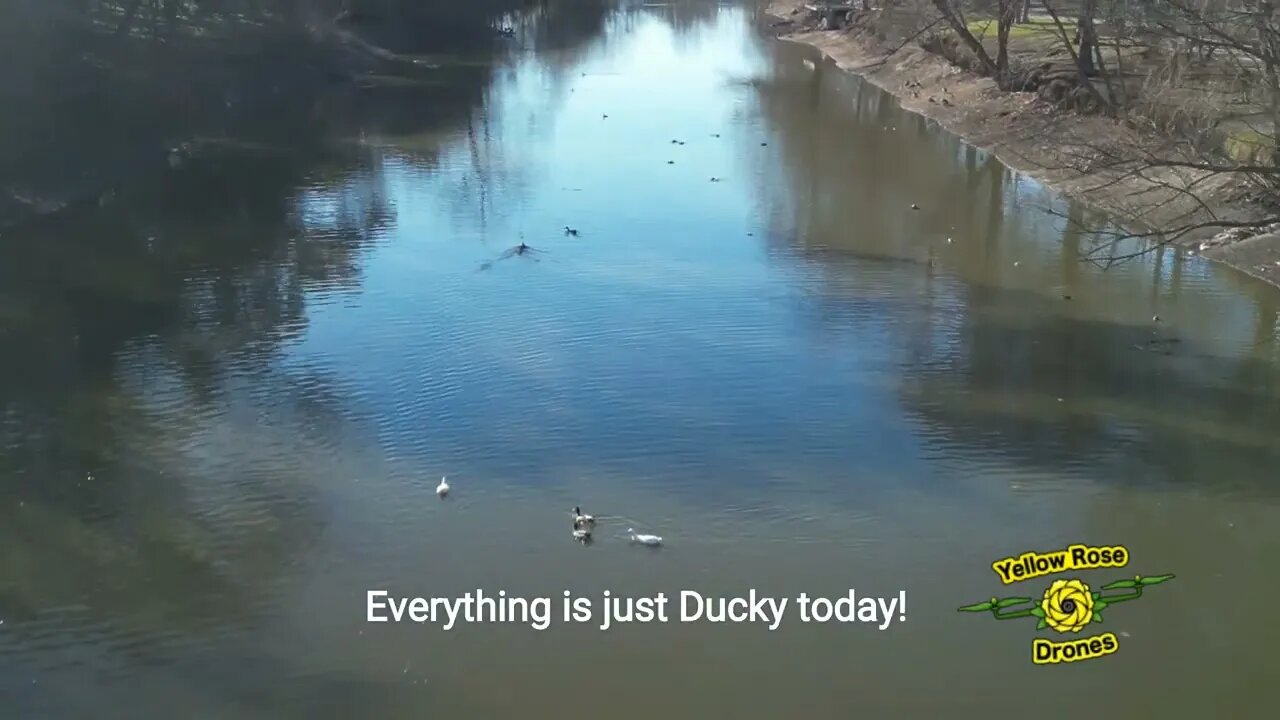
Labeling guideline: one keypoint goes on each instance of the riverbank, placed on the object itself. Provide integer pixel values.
(1057, 147)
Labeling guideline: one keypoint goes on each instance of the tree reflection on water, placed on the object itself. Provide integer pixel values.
(1016, 347)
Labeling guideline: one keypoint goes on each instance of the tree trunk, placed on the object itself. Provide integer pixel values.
(1268, 42)
(1121, 97)
(1081, 63)
(957, 24)
(1024, 15)
(1088, 38)
(1004, 23)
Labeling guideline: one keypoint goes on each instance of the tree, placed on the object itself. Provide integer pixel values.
(954, 16)
(1208, 137)
(1087, 36)
(1007, 15)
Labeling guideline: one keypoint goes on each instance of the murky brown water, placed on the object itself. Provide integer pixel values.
(789, 374)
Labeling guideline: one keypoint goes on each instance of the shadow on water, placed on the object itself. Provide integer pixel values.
(1018, 347)
(127, 326)
(108, 88)
(111, 317)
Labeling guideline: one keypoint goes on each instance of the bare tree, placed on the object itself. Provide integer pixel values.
(954, 16)
(1006, 16)
(1087, 34)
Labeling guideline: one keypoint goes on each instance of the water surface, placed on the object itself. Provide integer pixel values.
(226, 407)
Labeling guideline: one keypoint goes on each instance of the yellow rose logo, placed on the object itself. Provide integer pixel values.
(1067, 605)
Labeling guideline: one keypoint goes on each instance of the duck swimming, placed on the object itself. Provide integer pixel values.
(570, 231)
(521, 249)
(582, 522)
(651, 540)
(443, 488)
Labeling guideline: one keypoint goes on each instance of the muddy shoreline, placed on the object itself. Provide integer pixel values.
(1034, 138)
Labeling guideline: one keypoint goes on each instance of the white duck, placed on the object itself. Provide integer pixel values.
(443, 488)
(644, 539)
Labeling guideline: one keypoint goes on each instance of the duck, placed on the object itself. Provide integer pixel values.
(643, 539)
(443, 488)
(570, 231)
(582, 535)
(581, 521)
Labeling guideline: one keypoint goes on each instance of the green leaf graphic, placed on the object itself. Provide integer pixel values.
(1012, 601)
(977, 607)
(1156, 580)
(1120, 584)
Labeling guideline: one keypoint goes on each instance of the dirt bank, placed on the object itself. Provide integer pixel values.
(1044, 141)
